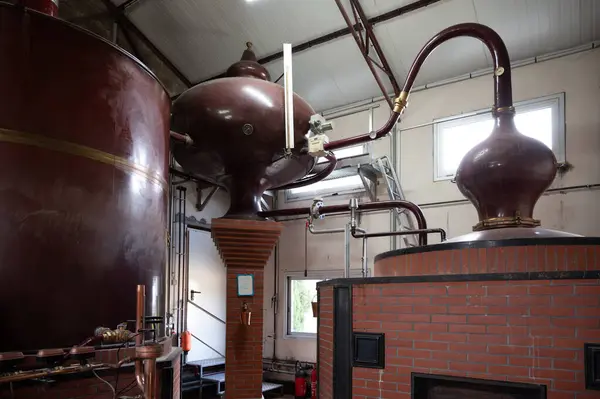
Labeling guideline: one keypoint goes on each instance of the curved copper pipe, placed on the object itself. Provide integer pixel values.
(502, 77)
(370, 206)
(496, 47)
(305, 181)
(184, 138)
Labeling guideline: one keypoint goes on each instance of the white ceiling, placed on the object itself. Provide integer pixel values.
(203, 37)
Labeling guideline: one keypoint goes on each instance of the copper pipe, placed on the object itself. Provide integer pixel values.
(370, 206)
(502, 76)
(496, 47)
(150, 377)
(184, 138)
(363, 138)
(305, 181)
(139, 339)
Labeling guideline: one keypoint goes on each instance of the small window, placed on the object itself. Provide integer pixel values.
(302, 292)
(340, 182)
(542, 119)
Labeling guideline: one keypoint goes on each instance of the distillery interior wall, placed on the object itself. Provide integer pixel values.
(576, 211)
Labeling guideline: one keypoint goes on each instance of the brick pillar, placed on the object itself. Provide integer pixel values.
(245, 246)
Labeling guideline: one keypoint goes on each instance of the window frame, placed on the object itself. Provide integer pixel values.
(555, 101)
(289, 197)
(311, 275)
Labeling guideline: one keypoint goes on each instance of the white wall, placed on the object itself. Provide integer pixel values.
(577, 75)
(206, 274)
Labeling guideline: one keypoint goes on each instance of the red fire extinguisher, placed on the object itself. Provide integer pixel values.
(313, 383)
(300, 382)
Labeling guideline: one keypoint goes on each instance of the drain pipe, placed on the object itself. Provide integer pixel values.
(365, 269)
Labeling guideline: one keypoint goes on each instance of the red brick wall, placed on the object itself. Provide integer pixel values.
(520, 331)
(534, 258)
(325, 344)
(243, 366)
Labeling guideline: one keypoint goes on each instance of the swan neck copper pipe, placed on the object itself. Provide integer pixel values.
(494, 44)
(502, 78)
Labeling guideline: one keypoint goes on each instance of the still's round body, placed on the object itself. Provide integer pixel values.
(83, 188)
(238, 125)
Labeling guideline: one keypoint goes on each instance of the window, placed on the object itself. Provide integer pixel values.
(301, 292)
(542, 119)
(341, 181)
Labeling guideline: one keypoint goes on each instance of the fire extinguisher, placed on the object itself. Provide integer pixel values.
(300, 382)
(313, 383)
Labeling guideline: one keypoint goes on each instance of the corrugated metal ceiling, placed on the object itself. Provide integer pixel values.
(203, 37)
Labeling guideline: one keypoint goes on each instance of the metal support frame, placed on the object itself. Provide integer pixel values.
(342, 32)
(365, 39)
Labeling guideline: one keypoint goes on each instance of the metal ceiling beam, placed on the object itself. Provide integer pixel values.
(417, 5)
(370, 35)
(129, 3)
(126, 24)
(363, 45)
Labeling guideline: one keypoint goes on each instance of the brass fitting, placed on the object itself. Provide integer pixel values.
(503, 110)
(401, 102)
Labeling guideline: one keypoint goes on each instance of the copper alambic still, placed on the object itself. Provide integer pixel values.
(238, 122)
(504, 175)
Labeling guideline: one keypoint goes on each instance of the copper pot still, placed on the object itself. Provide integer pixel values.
(84, 149)
(238, 122)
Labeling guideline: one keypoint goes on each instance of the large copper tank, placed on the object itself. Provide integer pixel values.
(83, 182)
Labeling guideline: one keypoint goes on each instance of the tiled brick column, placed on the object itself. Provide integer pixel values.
(245, 246)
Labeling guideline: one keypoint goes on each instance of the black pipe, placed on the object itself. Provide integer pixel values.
(441, 232)
(184, 280)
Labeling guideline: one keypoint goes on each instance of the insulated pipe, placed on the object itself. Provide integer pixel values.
(441, 232)
(311, 228)
(367, 207)
(347, 229)
(365, 270)
(139, 327)
(502, 77)
(305, 181)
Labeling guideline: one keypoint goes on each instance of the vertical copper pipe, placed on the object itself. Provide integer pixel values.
(139, 339)
(150, 379)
